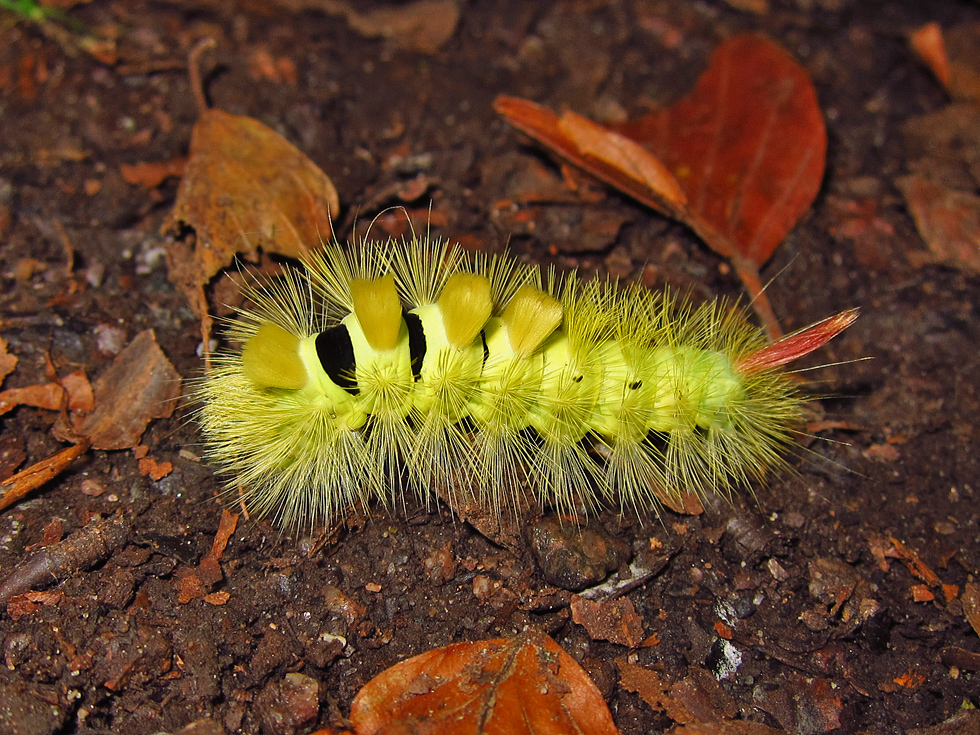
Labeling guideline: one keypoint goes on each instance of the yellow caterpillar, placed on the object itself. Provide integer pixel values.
(414, 364)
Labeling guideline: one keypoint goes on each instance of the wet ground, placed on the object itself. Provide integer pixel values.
(819, 582)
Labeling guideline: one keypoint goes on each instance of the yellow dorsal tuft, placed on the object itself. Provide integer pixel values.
(530, 317)
(465, 305)
(378, 310)
(270, 359)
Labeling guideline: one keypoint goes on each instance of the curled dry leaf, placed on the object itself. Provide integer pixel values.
(245, 187)
(739, 159)
(526, 684)
(139, 386)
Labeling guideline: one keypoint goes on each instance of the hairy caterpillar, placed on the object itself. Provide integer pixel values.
(413, 363)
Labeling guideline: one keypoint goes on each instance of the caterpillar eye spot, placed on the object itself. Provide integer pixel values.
(414, 365)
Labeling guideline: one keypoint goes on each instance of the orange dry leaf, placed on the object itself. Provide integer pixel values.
(910, 680)
(521, 685)
(197, 582)
(149, 467)
(739, 159)
(79, 389)
(963, 45)
(245, 187)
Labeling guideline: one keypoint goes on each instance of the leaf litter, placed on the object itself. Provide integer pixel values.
(739, 160)
(140, 385)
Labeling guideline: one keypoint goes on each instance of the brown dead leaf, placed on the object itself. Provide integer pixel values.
(8, 360)
(609, 620)
(198, 581)
(625, 156)
(28, 602)
(245, 187)
(149, 467)
(701, 695)
(948, 220)
(217, 598)
(944, 145)
(526, 684)
(139, 386)
(739, 159)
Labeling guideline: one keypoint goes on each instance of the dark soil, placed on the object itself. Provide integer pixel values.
(827, 630)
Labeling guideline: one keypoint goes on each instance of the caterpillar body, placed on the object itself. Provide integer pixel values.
(414, 364)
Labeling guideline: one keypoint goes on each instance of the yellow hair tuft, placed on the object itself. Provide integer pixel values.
(270, 359)
(530, 317)
(378, 309)
(465, 305)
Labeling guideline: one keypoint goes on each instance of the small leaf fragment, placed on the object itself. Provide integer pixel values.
(139, 386)
(8, 360)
